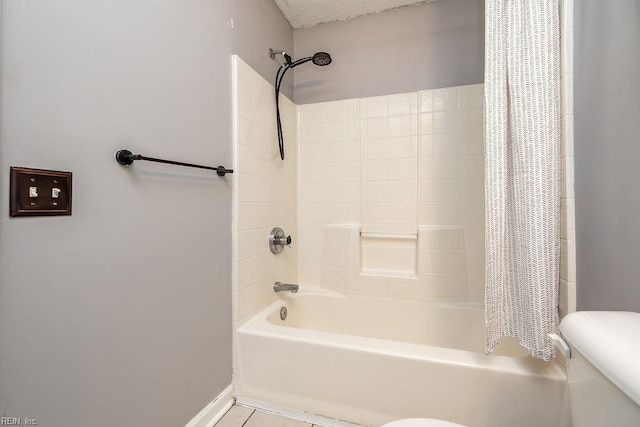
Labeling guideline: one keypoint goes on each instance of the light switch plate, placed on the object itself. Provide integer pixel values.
(39, 192)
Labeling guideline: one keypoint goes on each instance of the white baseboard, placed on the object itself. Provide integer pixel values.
(291, 413)
(212, 413)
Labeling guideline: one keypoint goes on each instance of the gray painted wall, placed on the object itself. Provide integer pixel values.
(121, 313)
(607, 152)
(258, 26)
(426, 46)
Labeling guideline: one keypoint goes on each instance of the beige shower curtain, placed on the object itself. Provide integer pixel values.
(522, 172)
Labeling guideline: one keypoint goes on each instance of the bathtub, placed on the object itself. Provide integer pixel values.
(371, 360)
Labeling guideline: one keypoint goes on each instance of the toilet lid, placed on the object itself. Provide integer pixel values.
(421, 422)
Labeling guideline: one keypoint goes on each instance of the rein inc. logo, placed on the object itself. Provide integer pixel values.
(18, 421)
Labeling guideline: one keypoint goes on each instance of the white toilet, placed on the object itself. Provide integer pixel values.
(604, 368)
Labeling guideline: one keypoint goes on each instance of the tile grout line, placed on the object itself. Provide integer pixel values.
(248, 418)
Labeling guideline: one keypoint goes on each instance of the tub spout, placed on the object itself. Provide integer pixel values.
(279, 287)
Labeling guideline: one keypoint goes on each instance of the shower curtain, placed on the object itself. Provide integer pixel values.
(522, 172)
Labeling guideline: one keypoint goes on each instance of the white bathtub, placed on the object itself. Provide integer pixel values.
(369, 360)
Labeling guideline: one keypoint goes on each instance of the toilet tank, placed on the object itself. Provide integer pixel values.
(604, 368)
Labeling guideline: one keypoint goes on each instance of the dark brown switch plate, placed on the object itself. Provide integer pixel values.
(38, 192)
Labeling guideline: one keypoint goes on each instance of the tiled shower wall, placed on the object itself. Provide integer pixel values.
(264, 191)
(567, 289)
(329, 183)
(392, 195)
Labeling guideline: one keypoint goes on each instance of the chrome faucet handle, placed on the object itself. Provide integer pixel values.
(283, 241)
(278, 240)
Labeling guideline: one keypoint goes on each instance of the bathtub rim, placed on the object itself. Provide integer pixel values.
(260, 326)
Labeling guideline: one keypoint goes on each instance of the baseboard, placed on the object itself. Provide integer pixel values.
(291, 413)
(212, 413)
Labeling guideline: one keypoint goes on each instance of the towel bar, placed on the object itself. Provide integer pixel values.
(126, 158)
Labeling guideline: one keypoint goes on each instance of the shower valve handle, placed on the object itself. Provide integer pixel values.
(278, 240)
(283, 241)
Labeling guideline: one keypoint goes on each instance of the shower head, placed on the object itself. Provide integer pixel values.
(321, 59)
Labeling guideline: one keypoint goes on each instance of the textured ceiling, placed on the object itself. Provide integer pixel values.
(307, 13)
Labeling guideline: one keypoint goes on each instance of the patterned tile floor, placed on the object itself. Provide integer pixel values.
(241, 416)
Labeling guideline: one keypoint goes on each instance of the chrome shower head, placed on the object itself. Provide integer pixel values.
(321, 59)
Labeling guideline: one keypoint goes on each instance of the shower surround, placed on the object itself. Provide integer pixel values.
(384, 199)
(264, 191)
(383, 196)
(391, 195)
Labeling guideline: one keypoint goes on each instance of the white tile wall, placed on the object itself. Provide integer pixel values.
(567, 288)
(264, 191)
(451, 190)
(400, 164)
(389, 132)
(340, 258)
(403, 164)
(329, 182)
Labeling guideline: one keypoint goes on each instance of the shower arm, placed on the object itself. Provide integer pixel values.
(273, 52)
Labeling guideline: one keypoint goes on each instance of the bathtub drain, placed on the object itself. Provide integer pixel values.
(283, 313)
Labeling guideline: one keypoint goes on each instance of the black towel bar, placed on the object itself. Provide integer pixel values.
(126, 158)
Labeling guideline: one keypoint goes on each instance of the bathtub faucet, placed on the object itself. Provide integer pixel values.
(279, 287)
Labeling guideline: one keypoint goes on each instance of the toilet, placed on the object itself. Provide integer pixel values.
(602, 351)
(603, 367)
(421, 422)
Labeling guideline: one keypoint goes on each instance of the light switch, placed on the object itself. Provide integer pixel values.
(38, 192)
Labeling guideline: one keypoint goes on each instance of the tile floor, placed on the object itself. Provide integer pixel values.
(241, 416)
